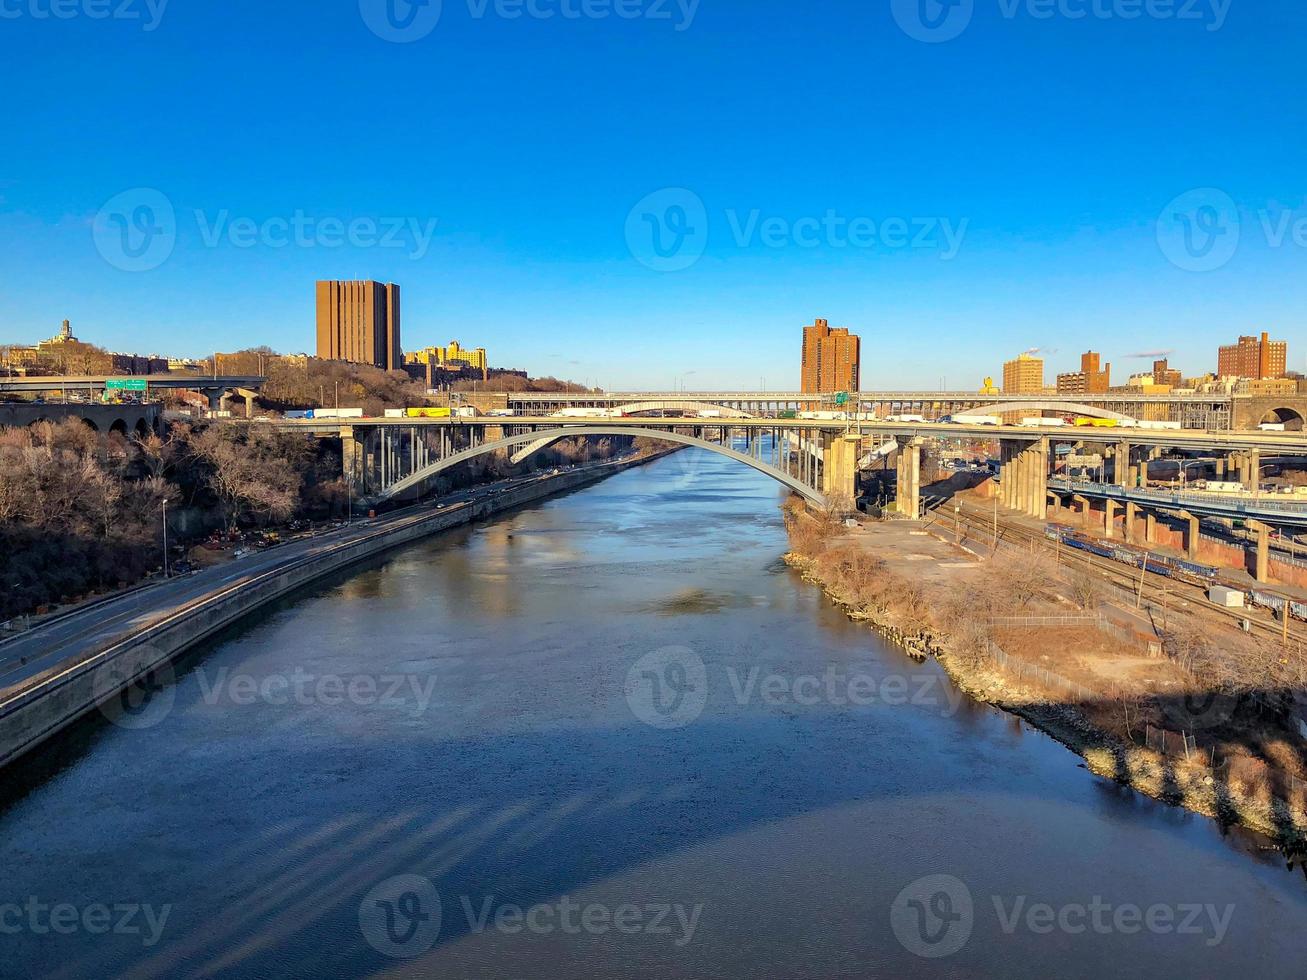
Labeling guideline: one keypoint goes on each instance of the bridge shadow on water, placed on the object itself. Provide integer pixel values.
(279, 850)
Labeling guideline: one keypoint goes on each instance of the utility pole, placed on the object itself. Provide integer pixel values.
(996, 523)
(165, 537)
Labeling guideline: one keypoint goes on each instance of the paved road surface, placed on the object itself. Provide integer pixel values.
(84, 631)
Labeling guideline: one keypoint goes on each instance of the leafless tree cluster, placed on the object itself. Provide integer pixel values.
(75, 513)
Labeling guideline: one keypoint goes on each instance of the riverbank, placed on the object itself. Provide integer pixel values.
(116, 650)
(950, 621)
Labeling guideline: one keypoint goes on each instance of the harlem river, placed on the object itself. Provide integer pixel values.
(611, 735)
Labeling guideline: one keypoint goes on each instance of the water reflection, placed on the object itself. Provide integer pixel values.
(805, 780)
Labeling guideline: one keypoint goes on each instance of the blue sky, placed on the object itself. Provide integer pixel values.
(1024, 184)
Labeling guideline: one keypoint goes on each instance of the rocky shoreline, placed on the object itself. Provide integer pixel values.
(1192, 787)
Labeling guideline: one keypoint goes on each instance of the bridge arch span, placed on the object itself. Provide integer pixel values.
(1068, 408)
(545, 436)
(636, 408)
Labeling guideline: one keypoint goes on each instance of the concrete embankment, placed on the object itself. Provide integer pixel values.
(49, 702)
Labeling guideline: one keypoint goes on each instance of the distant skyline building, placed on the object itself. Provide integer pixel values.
(358, 321)
(1088, 380)
(1164, 374)
(1023, 375)
(831, 359)
(1258, 359)
(453, 357)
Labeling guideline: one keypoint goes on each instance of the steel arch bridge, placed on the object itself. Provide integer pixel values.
(788, 457)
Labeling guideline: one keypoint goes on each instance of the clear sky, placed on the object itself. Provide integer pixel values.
(665, 197)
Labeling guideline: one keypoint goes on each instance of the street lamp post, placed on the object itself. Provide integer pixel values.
(165, 537)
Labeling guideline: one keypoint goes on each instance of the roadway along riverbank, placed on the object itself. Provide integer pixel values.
(54, 674)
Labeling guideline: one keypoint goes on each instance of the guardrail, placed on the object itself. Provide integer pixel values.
(1263, 501)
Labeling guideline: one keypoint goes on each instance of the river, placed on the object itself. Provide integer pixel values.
(611, 735)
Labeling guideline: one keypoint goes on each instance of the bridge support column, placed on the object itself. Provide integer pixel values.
(1192, 532)
(908, 499)
(1109, 518)
(1263, 568)
(840, 472)
(224, 402)
(1038, 454)
(1084, 508)
(1121, 466)
(1252, 476)
(1150, 527)
(1131, 509)
(351, 457)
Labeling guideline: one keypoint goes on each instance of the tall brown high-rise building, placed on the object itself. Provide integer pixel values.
(1253, 358)
(358, 321)
(831, 359)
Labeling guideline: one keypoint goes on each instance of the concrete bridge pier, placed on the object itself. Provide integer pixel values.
(1109, 518)
(1263, 568)
(840, 470)
(1192, 532)
(1121, 465)
(908, 498)
(1131, 510)
(1084, 508)
(1252, 477)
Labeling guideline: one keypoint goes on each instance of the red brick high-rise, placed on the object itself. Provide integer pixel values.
(358, 321)
(1253, 358)
(831, 359)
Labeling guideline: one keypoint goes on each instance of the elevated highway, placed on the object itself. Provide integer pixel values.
(819, 458)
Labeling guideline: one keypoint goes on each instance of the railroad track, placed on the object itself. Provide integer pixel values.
(1155, 598)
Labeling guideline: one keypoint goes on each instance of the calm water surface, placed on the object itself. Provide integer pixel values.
(607, 736)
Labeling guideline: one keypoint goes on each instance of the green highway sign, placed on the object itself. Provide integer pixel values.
(841, 398)
(125, 384)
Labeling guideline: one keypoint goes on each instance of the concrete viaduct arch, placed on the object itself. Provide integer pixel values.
(1070, 408)
(636, 408)
(547, 436)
